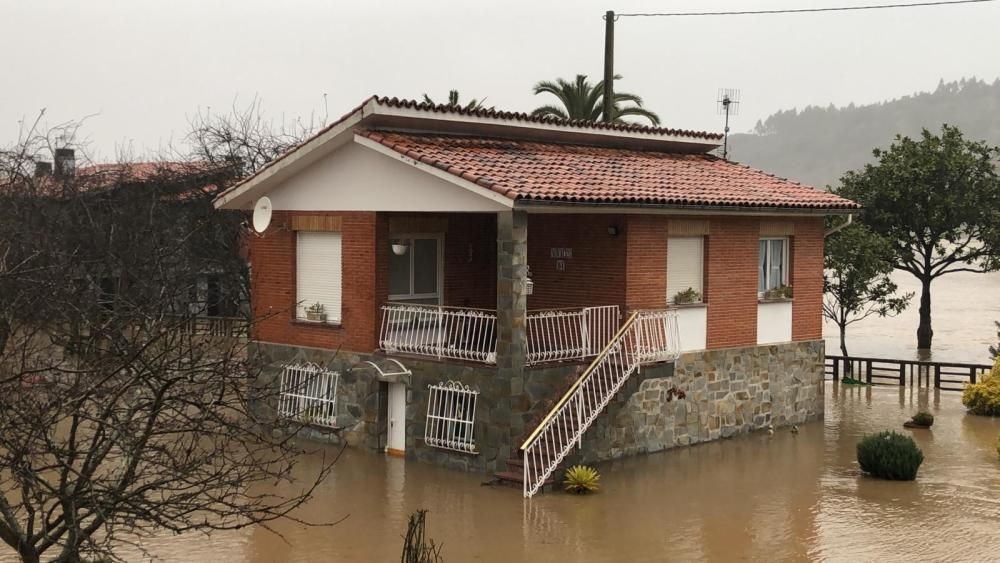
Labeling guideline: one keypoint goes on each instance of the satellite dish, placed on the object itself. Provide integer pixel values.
(262, 214)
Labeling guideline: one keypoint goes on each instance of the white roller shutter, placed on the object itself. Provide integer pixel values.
(685, 265)
(319, 273)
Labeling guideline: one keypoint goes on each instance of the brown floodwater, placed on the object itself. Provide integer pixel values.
(963, 308)
(786, 497)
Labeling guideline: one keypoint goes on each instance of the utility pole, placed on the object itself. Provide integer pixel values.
(609, 66)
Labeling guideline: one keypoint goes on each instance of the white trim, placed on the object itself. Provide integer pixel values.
(534, 206)
(436, 172)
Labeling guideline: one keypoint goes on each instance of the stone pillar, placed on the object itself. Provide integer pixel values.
(512, 305)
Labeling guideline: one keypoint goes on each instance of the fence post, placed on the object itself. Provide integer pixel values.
(439, 341)
(585, 332)
(937, 377)
(902, 374)
(836, 369)
(972, 374)
(868, 371)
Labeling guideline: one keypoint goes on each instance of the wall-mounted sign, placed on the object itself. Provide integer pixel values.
(560, 253)
(560, 265)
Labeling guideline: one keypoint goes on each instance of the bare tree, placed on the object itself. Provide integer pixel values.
(244, 137)
(119, 416)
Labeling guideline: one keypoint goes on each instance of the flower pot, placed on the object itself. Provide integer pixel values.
(315, 317)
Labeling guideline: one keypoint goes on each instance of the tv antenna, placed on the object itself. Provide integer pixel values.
(729, 104)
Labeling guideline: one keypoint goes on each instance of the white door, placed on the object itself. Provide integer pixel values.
(396, 443)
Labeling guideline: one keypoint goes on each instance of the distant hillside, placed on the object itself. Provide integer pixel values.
(817, 145)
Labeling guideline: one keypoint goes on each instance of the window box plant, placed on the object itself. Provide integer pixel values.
(778, 293)
(687, 297)
(316, 313)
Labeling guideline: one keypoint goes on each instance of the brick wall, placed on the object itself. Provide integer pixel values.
(595, 275)
(807, 279)
(646, 284)
(273, 286)
(731, 291)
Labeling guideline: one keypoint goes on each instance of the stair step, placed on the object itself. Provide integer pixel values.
(516, 477)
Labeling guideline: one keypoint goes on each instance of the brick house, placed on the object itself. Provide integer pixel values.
(486, 290)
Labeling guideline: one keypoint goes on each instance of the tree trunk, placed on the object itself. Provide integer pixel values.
(843, 340)
(924, 332)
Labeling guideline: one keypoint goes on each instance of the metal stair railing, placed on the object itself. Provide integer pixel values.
(645, 336)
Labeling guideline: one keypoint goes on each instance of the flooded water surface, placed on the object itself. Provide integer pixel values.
(786, 497)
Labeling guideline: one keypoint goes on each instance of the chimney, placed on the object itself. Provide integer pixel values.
(65, 163)
(43, 169)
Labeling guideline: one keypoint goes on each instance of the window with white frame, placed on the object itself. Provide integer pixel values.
(773, 264)
(318, 276)
(685, 269)
(415, 275)
(451, 415)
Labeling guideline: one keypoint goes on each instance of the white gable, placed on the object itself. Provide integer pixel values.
(359, 177)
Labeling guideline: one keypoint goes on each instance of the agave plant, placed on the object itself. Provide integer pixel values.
(581, 479)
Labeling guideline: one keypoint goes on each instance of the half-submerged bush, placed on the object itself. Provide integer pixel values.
(921, 420)
(581, 479)
(890, 455)
(983, 398)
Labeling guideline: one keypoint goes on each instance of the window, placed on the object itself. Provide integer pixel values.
(308, 394)
(415, 276)
(685, 268)
(319, 275)
(451, 415)
(773, 268)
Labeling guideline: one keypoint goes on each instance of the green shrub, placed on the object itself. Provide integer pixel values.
(923, 419)
(890, 455)
(581, 479)
(983, 398)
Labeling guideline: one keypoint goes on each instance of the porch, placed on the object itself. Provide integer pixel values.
(459, 286)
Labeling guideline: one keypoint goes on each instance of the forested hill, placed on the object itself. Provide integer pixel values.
(817, 145)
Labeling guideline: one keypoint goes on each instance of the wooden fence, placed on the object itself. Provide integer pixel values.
(883, 371)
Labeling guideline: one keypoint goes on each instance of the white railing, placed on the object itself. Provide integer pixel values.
(438, 331)
(308, 394)
(646, 336)
(451, 416)
(658, 338)
(569, 334)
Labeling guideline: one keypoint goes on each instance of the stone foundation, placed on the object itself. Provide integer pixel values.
(727, 392)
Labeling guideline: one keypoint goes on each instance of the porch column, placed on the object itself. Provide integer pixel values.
(512, 303)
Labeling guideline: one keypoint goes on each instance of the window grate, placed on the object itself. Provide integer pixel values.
(451, 415)
(308, 394)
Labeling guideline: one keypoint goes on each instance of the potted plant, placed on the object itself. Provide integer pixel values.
(316, 313)
(689, 295)
(780, 292)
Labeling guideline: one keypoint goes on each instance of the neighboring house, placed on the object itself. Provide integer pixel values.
(542, 284)
(214, 303)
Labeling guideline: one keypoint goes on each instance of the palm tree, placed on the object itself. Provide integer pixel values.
(473, 104)
(583, 100)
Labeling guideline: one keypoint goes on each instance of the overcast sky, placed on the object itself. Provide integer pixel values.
(143, 67)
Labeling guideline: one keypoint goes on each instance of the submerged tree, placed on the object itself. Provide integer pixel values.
(585, 101)
(936, 199)
(119, 417)
(857, 280)
(453, 101)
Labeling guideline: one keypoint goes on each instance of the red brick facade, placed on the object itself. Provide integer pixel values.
(626, 268)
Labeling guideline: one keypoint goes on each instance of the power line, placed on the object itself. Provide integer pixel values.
(804, 10)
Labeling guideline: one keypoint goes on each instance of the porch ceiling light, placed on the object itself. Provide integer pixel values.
(613, 230)
(399, 247)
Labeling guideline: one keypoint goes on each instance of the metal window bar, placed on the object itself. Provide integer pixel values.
(308, 394)
(440, 332)
(451, 415)
(569, 334)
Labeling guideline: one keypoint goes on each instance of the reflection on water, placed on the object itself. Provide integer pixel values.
(963, 308)
(787, 497)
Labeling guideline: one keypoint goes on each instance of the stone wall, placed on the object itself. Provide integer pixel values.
(506, 409)
(726, 392)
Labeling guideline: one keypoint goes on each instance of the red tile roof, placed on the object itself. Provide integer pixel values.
(548, 119)
(528, 170)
